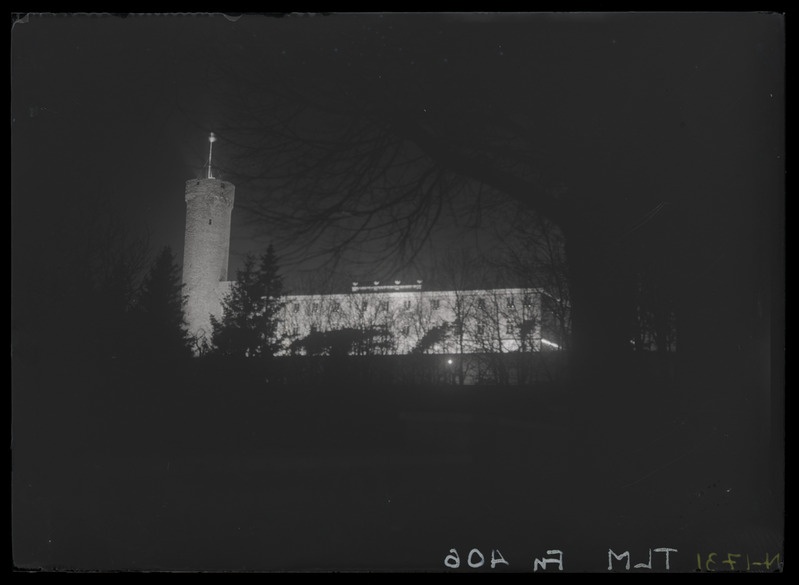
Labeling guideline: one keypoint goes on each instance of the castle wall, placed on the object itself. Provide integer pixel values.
(480, 321)
(491, 321)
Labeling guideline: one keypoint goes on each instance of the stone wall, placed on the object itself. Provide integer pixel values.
(209, 204)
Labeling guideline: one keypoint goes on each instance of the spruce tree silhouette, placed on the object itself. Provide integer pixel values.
(250, 312)
(161, 322)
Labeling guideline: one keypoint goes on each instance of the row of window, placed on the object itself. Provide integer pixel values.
(435, 304)
(381, 305)
(510, 329)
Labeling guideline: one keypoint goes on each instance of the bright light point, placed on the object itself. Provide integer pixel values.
(449, 361)
(212, 137)
(550, 344)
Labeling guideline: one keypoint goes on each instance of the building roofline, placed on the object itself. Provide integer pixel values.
(505, 290)
(396, 287)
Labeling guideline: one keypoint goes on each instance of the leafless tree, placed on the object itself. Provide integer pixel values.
(655, 318)
(369, 318)
(534, 254)
(375, 165)
(461, 272)
(365, 138)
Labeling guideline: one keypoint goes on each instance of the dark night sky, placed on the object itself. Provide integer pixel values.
(657, 107)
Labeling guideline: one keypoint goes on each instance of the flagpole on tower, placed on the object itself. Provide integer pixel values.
(211, 140)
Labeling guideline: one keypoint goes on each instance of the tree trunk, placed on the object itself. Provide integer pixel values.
(607, 406)
(602, 307)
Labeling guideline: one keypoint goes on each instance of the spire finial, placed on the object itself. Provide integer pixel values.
(211, 140)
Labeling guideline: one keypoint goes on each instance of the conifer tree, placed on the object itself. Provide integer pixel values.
(248, 326)
(159, 311)
(271, 288)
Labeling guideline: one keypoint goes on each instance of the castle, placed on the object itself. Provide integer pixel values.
(411, 318)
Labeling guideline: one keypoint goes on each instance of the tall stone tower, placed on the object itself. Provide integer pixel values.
(209, 203)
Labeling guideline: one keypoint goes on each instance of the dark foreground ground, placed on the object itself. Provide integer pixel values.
(206, 472)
